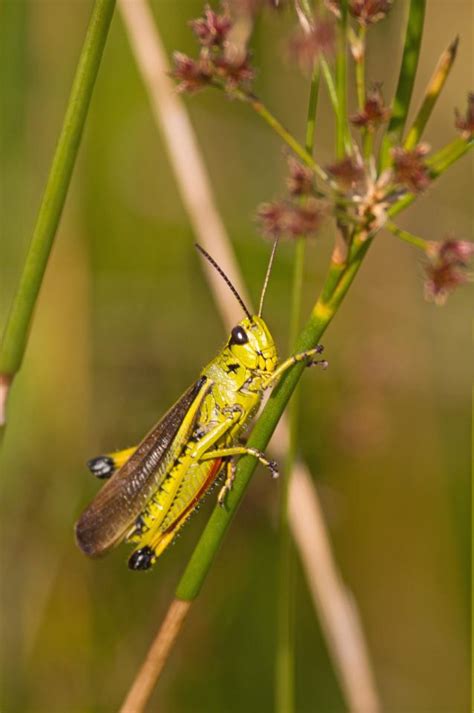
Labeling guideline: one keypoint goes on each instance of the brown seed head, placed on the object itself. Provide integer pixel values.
(410, 169)
(290, 220)
(300, 181)
(305, 47)
(446, 268)
(348, 173)
(374, 112)
(212, 28)
(191, 74)
(367, 12)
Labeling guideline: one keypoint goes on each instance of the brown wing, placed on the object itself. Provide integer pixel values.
(106, 521)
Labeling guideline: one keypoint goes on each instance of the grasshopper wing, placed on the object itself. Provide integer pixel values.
(114, 510)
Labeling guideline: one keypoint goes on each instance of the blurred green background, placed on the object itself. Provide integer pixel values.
(124, 323)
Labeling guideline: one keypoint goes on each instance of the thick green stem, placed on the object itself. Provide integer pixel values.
(432, 92)
(408, 237)
(285, 657)
(285, 660)
(343, 143)
(321, 316)
(213, 535)
(16, 333)
(406, 79)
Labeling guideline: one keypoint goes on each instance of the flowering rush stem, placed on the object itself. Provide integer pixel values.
(320, 318)
(406, 78)
(15, 337)
(284, 671)
(407, 236)
(343, 141)
(283, 133)
(432, 92)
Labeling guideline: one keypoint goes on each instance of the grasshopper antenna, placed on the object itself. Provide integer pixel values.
(225, 278)
(267, 277)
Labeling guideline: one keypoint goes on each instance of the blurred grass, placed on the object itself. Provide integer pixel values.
(124, 324)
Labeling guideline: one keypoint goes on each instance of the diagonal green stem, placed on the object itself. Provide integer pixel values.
(432, 92)
(343, 143)
(16, 333)
(206, 549)
(408, 237)
(406, 79)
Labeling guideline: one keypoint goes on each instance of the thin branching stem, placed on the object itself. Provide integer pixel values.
(284, 683)
(408, 237)
(16, 333)
(286, 136)
(330, 84)
(360, 67)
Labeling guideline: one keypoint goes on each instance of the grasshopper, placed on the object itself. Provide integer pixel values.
(153, 488)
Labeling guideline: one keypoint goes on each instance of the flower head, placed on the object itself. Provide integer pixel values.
(366, 12)
(300, 181)
(304, 47)
(216, 64)
(348, 173)
(446, 268)
(212, 29)
(466, 124)
(291, 220)
(233, 73)
(191, 74)
(410, 168)
(374, 112)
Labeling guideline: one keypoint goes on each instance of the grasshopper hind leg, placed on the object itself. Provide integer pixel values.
(104, 466)
(229, 481)
(142, 558)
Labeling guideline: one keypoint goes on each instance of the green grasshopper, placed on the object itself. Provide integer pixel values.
(153, 488)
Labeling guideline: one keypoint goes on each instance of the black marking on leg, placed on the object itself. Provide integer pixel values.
(139, 525)
(141, 559)
(232, 368)
(323, 363)
(101, 467)
(273, 465)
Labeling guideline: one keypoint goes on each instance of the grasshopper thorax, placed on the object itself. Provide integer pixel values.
(252, 345)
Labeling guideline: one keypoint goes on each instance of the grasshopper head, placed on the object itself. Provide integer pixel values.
(252, 344)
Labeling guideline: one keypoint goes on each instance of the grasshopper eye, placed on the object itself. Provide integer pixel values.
(238, 336)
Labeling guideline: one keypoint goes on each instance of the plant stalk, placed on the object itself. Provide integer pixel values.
(16, 333)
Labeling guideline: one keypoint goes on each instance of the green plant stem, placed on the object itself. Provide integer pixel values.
(16, 333)
(406, 79)
(283, 133)
(408, 237)
(285, 659)
(437, 164)
(330, 84)
(211, 539)
(432, 92)
(320, 318)
(360, 68)
(343, 143)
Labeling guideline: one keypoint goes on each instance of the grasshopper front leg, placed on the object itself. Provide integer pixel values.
(307, 356)
(103, 466)
(231, 453)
